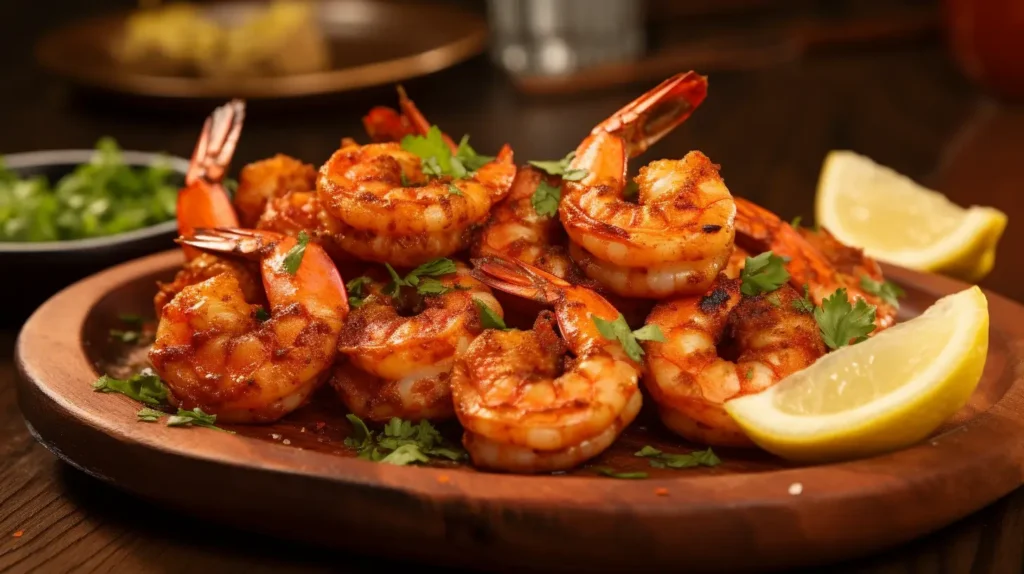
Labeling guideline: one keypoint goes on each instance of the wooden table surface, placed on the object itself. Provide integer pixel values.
(905, 106)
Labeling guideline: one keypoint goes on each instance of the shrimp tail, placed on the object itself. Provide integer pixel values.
(385, 124)
(247, 243)
(650, 117)
(518, 278)
(216, 143)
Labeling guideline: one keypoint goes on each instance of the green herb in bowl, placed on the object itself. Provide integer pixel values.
(103, 197)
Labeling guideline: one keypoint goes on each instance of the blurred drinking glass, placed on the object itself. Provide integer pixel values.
(987, 41)
(552, 37)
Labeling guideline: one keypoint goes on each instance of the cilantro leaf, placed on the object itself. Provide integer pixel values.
(804, 304)
(763, 274)
(545, 199)
(844, 324)
(125, 336)
(400, 442)
(148, 415)
(393, 288)
(356, 295)
(795, 224)
(619, 330)
(435, 155)
(430, 286)
(659, 459)
(561, 168)
(293, 259)
(454, 189)
(436, 268)
(774, 300)
(144, 387)
(468, 156)
(886, 290)
(624, 475)
(194, 417)
(488, 318)
(261, 314)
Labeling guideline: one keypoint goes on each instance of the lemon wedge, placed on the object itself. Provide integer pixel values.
(902, 222)
(880, 395)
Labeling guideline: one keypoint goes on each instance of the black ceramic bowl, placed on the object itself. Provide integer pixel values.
(33, 271)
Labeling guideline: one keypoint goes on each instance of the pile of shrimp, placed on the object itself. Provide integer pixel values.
(259, 317)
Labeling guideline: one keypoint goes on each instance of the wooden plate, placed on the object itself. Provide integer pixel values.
(371, 43)
(296, 479)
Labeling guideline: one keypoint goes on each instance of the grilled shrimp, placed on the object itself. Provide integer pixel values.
(397, 353)
(203, 202)
(839, 266)
(688, 378)
(678, 235)
(392, 212)
(262, 181)
(218, 352)
(527, 408)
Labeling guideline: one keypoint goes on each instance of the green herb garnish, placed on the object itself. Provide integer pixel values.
(488, 318)
(844, 324)
(437, 159)
(148, 415)
(659, 459)
(545, 199)
(454, 189)
(356, 293)
(886, 290)
(194, 417)
(401, 442)
(144, 387)
(763, 274)
(125, 336)
(418, 278)
(293, 259)
(623, 475)
(561, 168)
(619, 330)
(804, 304)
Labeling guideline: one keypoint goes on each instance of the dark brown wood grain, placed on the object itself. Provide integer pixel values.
(739, 515)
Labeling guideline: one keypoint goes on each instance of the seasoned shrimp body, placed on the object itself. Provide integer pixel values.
(527, 408)
(678, 234)
(815, 259)
(262, 181)
(203, 202)
(394, 213)
(397, 362)
(688, 378)
(239, 361)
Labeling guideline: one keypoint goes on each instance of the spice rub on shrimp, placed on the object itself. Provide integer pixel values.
(678, 234)
(394, 212)
(398, 347)
(815, 259)
(239, 361)
(524, 405)
(262, 181)
(203, 202)
(688, 378)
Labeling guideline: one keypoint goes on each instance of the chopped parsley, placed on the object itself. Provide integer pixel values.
(488, 318)
(619, 330)
(886, 290)
(418, 278)
(293, 259)
(804, 304)
(545, 199)
(129, 335)
(356, 292)
(659, 459)
(261, 314)
(561, 168)
(795, 224)
(401, 442)
(148, 415)
(763, 274)
(437, 159)
(454, 189)
(844, 324)
(603, 471)
(631, 191)
(125, 336)
(144, 387)
(194, 417)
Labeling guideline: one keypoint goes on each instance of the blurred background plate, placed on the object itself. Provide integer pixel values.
(368, 43)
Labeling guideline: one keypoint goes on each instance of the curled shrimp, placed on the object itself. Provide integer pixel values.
(678, 234)
(527, 408)
(203, 202)
(218, 352)
(398, 352)
(262, 181)
(395, 213)
(688, 378)
(839, 266)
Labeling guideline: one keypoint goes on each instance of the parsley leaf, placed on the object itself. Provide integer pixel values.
(401, 442)
(763, 274)
(194, 417)
(261, 314)
(417, 278)
(434, 154)
(619, 330)
(394, 288)
(804, 304)
(795, 224)
(545, 199)
(148, 415)
(774, 300)
(841, 323)
(356, 296)
(625, 475)
(436, 268)
(430, 286)
(125, 336)
(144, 387)
(659, 459)
(454, 189)
(887, 290)
(561, 167)
(293, 259)
(488, 318)
(468, 156)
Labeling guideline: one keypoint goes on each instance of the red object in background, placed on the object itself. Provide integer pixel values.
(987, 40)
